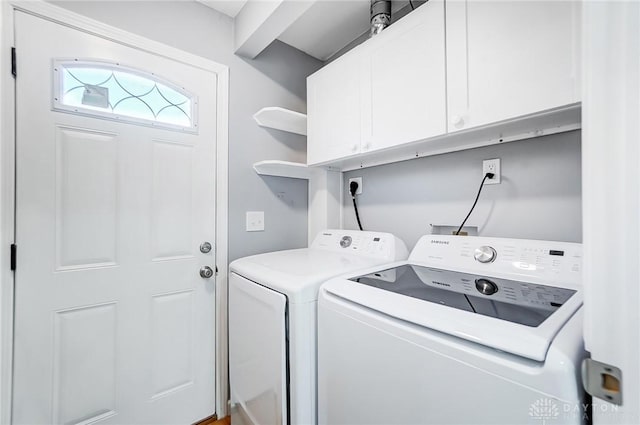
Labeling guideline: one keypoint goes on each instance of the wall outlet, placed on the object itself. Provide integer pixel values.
(255, 221)
(357, 180)
(491, 166)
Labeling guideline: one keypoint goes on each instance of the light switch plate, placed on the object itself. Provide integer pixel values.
(255, 221)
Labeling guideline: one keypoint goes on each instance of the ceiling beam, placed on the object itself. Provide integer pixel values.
(259, 23)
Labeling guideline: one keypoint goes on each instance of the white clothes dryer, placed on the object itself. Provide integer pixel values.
(469, 330)
(272, 321)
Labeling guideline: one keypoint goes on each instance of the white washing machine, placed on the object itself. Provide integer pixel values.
(272, 321)
(469, 330)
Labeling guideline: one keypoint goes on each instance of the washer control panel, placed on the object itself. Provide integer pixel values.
(547, 261)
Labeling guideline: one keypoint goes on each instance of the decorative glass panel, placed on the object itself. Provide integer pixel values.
(109, 90)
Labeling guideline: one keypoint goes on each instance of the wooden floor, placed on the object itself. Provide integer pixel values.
(212, 421)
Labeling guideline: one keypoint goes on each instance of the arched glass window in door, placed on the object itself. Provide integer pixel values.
(112, 91)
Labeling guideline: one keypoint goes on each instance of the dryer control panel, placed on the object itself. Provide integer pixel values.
(367, 244)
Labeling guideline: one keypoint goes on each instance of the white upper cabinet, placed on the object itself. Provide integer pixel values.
(509, 67)
(506, 59)
(334, 110)
(406, 97)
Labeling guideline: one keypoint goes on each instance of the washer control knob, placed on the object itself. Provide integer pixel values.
(486, 287)
(485, 254)
(345, 242)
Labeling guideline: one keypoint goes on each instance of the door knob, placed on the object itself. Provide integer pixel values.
(206, 272)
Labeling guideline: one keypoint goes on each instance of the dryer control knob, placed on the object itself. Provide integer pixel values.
(345, 242)
(485, 254)
(486, 287)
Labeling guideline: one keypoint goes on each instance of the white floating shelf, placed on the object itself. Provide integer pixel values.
(282, 119)
(294, 170)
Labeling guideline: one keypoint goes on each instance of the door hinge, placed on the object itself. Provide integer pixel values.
(14, 69)
(14, 253)
(602, 380)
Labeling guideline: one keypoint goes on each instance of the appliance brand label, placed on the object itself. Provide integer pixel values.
(440, 242)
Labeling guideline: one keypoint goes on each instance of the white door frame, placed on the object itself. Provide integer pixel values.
(7, 178)
(611, 199)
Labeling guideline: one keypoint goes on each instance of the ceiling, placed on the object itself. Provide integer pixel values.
(330, 25)
(229, 7)
(322, 29)
(327, 27)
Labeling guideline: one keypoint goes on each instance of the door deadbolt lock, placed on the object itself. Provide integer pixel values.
(206, 272)
(205, 247)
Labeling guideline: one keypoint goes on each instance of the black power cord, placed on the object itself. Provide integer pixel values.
(486, 176)
(353, 188)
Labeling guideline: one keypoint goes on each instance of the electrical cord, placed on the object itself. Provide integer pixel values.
(355, 207)
(353, 188)
(486, 176)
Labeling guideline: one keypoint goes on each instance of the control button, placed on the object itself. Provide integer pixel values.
(485, 254)
(345, 242)
(486, 287)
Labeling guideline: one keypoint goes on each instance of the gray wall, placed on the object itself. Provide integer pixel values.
(539, 197)
(275, 78)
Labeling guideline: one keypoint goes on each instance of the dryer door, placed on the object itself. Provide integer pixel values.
(258, 351)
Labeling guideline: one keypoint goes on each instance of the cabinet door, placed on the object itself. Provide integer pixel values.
(334, 110)
(406, 97)
(510, 58)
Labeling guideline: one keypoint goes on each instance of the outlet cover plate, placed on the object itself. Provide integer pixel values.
(491, 166)
(357, 180)
(255, 221)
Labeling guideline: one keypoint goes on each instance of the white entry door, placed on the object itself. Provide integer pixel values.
(115, 194)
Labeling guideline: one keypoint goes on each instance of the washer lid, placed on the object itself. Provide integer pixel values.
(298, 273)
(518, 302)
(513, 316)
